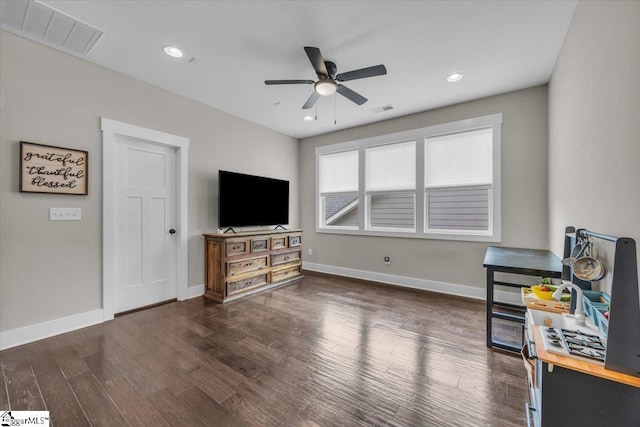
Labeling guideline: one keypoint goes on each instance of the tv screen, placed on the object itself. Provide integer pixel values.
(246, 200)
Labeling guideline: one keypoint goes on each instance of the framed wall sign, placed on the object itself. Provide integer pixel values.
(49, 169)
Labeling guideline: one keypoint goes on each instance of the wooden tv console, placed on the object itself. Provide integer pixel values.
(241, 264)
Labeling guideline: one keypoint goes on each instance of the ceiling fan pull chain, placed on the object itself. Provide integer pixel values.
(335, 110)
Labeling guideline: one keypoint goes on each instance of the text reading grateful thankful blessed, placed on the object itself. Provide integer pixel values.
(47, 169)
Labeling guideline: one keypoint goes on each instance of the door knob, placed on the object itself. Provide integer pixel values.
(172, 231)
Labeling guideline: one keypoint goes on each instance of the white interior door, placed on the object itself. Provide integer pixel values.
(145, 222)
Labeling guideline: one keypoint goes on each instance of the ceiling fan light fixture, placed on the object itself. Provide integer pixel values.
(326, 87)
(307, 118)
(173, 51)
(454, 77)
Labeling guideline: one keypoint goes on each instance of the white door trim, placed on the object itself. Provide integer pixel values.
(112, 129)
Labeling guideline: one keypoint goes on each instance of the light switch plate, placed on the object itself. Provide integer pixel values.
(65, 214)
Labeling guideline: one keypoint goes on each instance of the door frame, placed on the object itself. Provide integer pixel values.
(111, 131)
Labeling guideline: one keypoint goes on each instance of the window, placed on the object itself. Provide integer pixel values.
(390, 186)
(458, 181)
(439, 182)
(339, 190)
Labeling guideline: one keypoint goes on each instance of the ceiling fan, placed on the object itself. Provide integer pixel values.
(327, 79)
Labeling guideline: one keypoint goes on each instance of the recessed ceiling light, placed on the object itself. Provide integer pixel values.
(455, 77)
(307, 118)
(173, 51)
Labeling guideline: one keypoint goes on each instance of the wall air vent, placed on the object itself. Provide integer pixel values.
(43, 24)
(382, 109)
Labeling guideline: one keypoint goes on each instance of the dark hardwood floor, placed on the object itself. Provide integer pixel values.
(325, 351)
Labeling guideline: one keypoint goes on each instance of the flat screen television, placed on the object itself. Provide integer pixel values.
(249, 200)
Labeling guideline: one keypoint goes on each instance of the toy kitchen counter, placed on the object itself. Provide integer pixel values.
(567, 390)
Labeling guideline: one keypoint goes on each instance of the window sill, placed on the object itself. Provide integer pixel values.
(415, 235)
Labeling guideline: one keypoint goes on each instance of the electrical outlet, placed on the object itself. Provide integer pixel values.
(65, 214)
(387, 260)
(310, 251)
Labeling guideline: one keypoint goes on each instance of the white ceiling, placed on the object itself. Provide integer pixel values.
(500, 46)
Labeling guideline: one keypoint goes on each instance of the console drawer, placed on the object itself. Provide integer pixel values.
(245, 265)
(260, 245)
(285, 273)
(237, 247)
(295, 240)
(279, 242)
(246, 284)
(284, 257)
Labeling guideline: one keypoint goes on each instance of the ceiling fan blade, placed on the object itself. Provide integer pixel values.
(288, 82)
(377, 70)
(316, 60)
(311, 101)
(351, 95)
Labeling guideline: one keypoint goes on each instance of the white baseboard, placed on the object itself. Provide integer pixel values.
(27, 334)
(31, 333)
(414, 283)
(195, 291)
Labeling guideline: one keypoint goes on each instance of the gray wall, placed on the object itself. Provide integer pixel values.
(594, 123)
(524, 195)
(50, 270)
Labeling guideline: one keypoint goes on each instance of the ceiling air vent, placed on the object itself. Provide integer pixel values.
(382, 109)
(43, 24)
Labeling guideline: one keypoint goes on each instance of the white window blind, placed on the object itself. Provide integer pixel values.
(339, 172)
(391, 167)
(463, 158)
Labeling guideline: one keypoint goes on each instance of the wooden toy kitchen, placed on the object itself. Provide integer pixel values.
(582, 356)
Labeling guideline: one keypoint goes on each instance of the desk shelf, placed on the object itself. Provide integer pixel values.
(527, 262)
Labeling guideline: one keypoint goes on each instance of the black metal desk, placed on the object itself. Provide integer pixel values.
(530, 262)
